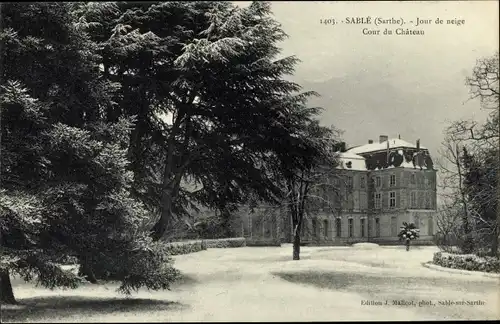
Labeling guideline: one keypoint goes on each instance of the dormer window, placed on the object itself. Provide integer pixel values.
(349, 165)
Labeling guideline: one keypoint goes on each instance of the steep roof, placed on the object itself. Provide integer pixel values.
(356, 162)
(393, 143)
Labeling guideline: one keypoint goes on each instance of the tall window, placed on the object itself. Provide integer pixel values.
(420, 202)
(378, 182)
(314, 228)
(427, 200)
(413, 199)
(392, 181)
(377, 200)
(363, 203)
(416, 220)
(430, 226)
(370, 225)
(325, 201)
(392, 199)
(351, 227)
(338, 227)
(349, 182)
(362, 182)
(394, 226)
(363, 227)
(325, 228)
(377, 227)
(413, 179)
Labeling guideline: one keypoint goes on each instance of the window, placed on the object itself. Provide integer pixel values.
(413, 179)
(392, 199)
(362, 182)
(349, 182)
(413, 199)
(377, 227)
(394, 226)
(338, 227)
(351, 227)
(392, 181)
(325, 228)
(378, 182)
(363, 227)
(416, 220)
(427, 182)
(430, 227)
(362, 201)
(325, 203)
(377, 199)
(427, 200)
(314, 228)
(420, 202)
(370, 225)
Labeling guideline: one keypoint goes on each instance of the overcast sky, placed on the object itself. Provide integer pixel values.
(373, 85)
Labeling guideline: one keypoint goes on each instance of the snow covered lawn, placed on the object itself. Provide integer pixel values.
(264, 284)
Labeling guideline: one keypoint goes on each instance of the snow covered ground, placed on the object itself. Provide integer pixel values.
(264, 284)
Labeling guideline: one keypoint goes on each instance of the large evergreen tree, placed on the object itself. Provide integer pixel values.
(64, 179)
(206, 85)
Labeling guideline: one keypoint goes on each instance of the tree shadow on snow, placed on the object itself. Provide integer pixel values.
(372, 283)
(45, 308)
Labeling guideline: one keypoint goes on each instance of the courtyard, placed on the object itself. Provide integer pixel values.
(264, 284)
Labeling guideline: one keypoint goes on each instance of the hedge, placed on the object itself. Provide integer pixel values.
(469, 262)
(177, 248)
(225, 243)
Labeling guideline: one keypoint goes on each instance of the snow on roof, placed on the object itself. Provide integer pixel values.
(393, 143)
(351, 161)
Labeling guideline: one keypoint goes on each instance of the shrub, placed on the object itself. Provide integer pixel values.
(177, 248)
(226, 243)
(469, 262)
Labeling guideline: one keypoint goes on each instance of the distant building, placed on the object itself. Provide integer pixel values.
(378, 186)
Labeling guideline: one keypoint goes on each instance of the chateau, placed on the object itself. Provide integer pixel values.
(366, 198)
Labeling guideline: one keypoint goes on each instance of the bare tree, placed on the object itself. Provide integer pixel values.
(484, 82)
(451, 183)
(470, 152)
(449, 218)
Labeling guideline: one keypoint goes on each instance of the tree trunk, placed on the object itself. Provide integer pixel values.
(494, 243)
(226, 222)
(162, 226)
(86, 270)
(7, 294)
(407, 245)
(296, 245)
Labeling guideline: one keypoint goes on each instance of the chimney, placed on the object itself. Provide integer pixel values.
(370, 141)
(418, 144)
(383, 138)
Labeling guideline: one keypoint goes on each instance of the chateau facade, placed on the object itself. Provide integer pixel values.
(374, 189)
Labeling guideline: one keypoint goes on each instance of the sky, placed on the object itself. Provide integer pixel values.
(407, 85)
